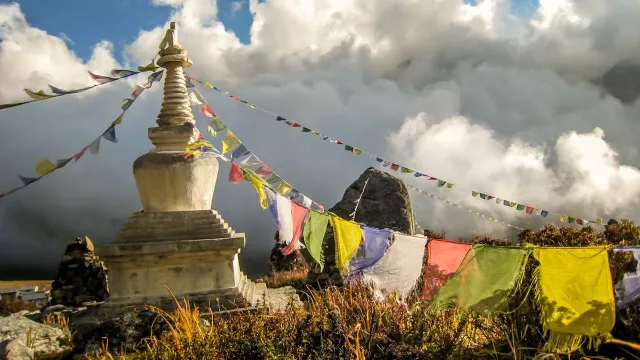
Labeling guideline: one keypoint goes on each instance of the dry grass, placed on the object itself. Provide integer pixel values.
(42, 284)
(295, 278)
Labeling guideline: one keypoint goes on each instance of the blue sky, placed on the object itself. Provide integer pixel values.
(84, 23)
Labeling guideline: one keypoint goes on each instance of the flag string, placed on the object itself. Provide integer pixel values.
(117, 74)
(46, 167)
(529, 210)
(240, 154)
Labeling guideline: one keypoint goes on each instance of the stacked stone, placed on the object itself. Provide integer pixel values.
(82, 277)
(280, 262)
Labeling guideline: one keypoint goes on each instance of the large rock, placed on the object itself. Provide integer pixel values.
(81, 278)
(384, 203)
(46, 341)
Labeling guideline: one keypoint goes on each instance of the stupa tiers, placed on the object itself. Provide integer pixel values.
(177, 243)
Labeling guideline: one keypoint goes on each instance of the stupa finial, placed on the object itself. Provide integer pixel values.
(175, 113)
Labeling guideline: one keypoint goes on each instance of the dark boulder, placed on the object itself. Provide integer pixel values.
(384, 203)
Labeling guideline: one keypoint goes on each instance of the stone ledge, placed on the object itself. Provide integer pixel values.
(175, 247)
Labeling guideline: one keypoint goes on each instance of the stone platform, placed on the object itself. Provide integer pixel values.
(157, 256)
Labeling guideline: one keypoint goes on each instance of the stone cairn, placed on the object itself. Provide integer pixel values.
(82, 277)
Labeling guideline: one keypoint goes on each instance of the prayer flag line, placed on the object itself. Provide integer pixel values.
(45, 167)
(248, 159)
(529, 210)
(100, 79)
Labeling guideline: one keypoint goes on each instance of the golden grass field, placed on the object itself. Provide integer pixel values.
(43, 284)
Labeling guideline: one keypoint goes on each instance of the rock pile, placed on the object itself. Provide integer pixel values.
(82, 277)
(384, 203)
(280, 262)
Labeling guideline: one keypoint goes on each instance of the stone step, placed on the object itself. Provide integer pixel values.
(183, 215)
(138, 231)
(174, 237)
(173, 223)
(197, 232)
(259, 294)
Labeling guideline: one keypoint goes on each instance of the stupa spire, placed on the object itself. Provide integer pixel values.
(175, 121)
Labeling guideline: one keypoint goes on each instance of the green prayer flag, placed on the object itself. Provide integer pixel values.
(520, 207)
(149, 67)
(485, 279)
(572, 220)
(314, 229)
(441, 183)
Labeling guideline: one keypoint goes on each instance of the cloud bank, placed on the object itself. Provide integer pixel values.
(517, 107)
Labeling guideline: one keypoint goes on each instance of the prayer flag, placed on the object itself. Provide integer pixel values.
(489, 197)
(628, 289)
(520, 207)
(28, 180)
(195, 97)
(123, 73)
(348, 148)
(264, 170)
(306, 129)
(101, 79)
(240, 152)
(235, 174)
(137, 91)
(229, 142)
(450, 185)
(506, 203)
(347, 235)
(44, 167)
(156, 76)
(483, 196)
(405, 170)
(208, 111)
(215, 126)
(441, 183)
(475, 193)
(356, 151)
(298, 215)
(94, 147)
(77, 156)
(570, 314)
(314, 230)
(127, 104)
(118, 120)
(485, 279)
(280, 118)
(374, 244)
(272, 179)
(257, 183)
(379, 160)
(417, 174)
(283, 187)
(572, 220)
(59, 91)
(110, 134)
(563, 219)
(400, 267)
(149, 67)
(530, 210)
(395, 167)
(40, 95)
(443, 259)
(62, 162)
(250, 160)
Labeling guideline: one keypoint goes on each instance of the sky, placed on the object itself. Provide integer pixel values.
(515, 99)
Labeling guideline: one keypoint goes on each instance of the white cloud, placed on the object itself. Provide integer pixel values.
(236, 6)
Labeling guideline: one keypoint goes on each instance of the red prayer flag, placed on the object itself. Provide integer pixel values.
(530, 210)
(298, 214)
(296, 124)
(264, 170)
(443, 259)
(77, 156)
(208, 111)
(395, 167)
(235, 174)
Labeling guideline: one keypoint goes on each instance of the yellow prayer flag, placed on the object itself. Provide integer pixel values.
(229, 142)
(208, 84)
(44, 167)
(564, 219)
(283, 188)
(357, 151)
(450, 185)
(347, 235)
(257, 183)
(40, 95)
(118, 120)
(576, 296)
(599, 221)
